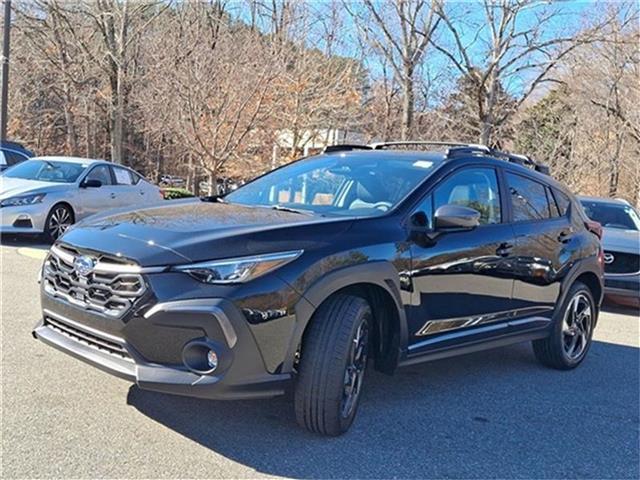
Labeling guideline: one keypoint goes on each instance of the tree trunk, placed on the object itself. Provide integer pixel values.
(407, 103)
(488, 119)
(615, 167)
(213, 184)
(117, 114)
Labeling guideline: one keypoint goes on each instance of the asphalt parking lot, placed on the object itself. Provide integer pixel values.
(494, 414)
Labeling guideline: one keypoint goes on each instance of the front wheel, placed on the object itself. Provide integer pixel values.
(332, 365)
(58, 221)
(569, 342)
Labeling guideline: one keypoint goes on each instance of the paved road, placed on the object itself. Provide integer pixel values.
(488, 415)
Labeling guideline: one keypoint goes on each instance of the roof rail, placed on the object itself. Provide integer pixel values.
(509, 157)
(521, 160)
(467, 150)
(455, 149)
(381, 145)
(345, 147)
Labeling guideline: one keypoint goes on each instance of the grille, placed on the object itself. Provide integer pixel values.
(622, 263)
(89, 339)
(109, 288)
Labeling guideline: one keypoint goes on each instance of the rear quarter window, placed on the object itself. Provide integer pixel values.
(562, 200)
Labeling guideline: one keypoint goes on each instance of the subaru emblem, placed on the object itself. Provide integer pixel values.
(83, 265)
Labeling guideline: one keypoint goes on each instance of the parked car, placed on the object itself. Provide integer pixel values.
(12, 153)
(304, 275)
(46, 195)
(223, 186)
(172, 181)
(621, 242)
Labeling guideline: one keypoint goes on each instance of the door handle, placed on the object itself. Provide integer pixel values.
(113, 195)
(504, 249)
(565, 236)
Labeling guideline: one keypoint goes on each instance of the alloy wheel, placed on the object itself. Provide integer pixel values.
(576, 326)
(354, 372)
(59, 222)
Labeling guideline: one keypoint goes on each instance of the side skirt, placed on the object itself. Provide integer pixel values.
(539, 329)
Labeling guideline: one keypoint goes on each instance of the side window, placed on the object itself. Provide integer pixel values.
(3, 160)
(553, 207)
(528, 198)
(135, 177)
(123, 176)
(563, 201)
(13, 157)
(101, 173)
(476, 188)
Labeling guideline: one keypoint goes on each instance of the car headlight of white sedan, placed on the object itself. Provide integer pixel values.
(22, 200)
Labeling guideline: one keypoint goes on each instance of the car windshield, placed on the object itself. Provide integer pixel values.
(46, 171)
(336, 185)
(612, 215)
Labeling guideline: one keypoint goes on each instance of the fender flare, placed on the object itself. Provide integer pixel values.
(586, 265)
(380, 273)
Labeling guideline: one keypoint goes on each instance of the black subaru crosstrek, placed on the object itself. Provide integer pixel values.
(304, 276)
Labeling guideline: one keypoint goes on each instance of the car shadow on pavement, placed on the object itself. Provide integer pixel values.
(620, 309)
(485, 415)
(23, 241)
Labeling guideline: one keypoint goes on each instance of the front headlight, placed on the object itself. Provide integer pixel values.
(23, 200)
(238, 270)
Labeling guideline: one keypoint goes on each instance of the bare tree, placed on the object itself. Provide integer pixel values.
(121, 24)
(516, 44)
(222, 79)
(401, 31)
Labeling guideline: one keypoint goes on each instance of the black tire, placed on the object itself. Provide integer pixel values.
(53, 229)
(556, 350)
(328, 357)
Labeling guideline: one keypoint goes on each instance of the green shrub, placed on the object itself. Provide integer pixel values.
(171, 193)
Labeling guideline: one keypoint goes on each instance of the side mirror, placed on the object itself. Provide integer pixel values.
(452, 217)
(91, 183)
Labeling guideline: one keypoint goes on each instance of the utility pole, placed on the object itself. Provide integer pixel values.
(4, 99)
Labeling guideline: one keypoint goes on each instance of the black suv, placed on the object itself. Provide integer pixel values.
(303, 275)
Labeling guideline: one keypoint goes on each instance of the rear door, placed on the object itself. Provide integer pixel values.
(462, 281)
(544, 245)
(127, 192)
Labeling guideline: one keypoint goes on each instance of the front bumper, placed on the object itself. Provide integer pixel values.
(24, 219)
(107, 344)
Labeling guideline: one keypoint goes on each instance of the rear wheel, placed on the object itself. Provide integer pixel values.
(58, 221)
(332, 365)
(568, 344)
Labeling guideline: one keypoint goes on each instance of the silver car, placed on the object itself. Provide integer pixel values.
(46, 195)
(621, 243)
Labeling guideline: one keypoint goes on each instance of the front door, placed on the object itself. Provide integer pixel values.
(461, 280)
(96, 199)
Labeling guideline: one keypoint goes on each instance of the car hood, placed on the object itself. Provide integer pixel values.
(13, 187)
(189, 231)
(621, 240)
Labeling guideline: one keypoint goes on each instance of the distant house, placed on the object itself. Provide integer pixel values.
(312, 141)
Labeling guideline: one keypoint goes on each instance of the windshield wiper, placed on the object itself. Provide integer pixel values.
(282, 208)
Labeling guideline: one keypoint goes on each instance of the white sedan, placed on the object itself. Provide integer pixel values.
(46, 195)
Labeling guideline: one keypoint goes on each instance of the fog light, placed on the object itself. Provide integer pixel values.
(212, 359)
